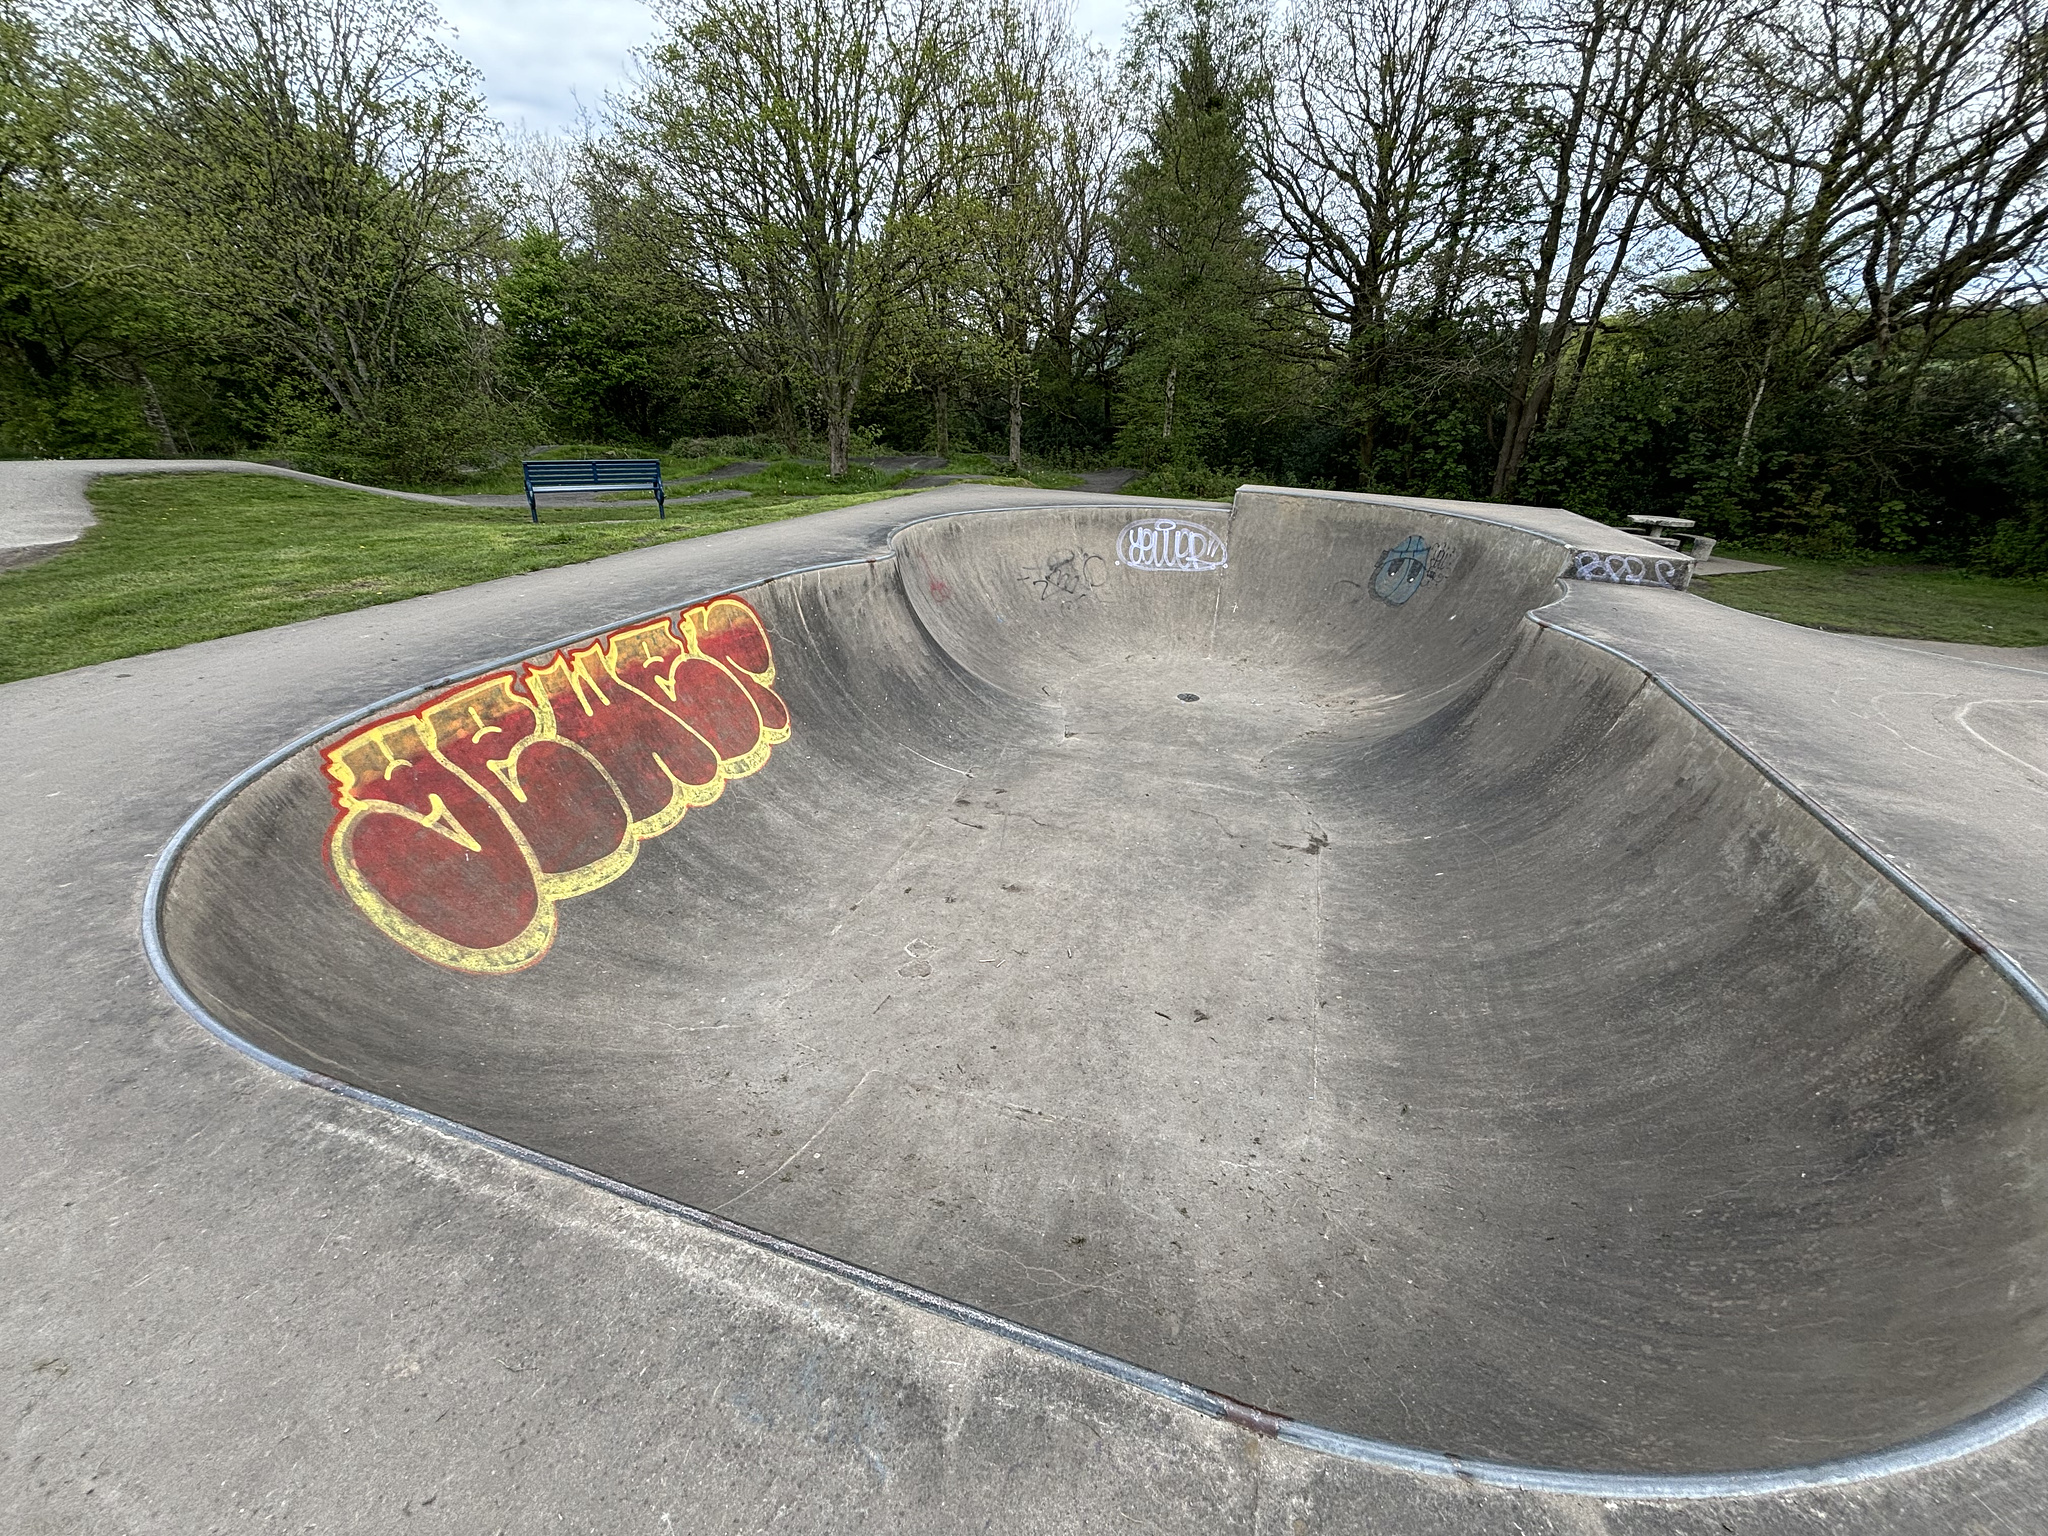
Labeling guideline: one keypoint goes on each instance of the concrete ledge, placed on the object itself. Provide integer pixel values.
(1593, 551)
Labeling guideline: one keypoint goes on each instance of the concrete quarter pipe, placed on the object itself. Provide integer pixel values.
(1242, 951)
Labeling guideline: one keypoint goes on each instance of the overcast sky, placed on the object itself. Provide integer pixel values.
(541, 57)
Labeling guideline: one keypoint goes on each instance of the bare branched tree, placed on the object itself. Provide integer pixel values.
(1601, 83)
(1861, 175)
(547, 184)
(796, 145)
(1089, 140)
(1383, 184)
(1043, 141)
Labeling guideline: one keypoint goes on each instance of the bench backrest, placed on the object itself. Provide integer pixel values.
(570, 474)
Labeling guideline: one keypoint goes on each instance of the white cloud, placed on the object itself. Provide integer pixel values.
(1103, 20)
(540, 58)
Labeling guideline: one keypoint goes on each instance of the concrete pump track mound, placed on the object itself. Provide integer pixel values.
(1249, 952)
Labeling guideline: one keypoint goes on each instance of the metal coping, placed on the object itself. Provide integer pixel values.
(2022, 1409)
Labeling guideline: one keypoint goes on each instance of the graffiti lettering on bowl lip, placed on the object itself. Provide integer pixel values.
(1169, 544)
(1067, 573)
(1627, 570)
(463, 823)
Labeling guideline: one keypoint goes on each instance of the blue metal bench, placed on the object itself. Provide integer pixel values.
(593, 475)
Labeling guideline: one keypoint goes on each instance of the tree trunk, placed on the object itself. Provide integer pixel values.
(838, 428)
(838, 388)
(1576, 373)
(942, 427)
(1166, 427)
(1542, 334)
(153, 413)
(784, 399)
(1525, 386)
(1525, 413)
(1365, 379)
(1755, 401)
(1017, 423)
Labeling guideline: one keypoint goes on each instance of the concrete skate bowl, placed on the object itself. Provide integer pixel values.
(1256, 956)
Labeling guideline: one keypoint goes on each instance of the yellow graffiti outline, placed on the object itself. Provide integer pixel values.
(689, 626)
(631, 645)
(517, 952)
(560, 884)
(574, 670)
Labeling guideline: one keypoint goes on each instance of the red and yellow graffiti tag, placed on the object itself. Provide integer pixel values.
(461, 825)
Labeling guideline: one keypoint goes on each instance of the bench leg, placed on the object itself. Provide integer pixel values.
(660, 504)
(532, 506)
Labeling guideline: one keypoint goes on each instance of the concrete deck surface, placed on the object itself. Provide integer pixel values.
(1937, 753)
(1718, 565)
(236, 1298)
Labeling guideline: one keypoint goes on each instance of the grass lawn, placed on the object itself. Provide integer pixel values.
(987, 469)
(783, 476)
(185, 557)
(1910, 602)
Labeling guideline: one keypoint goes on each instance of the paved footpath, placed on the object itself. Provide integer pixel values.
(44, 507)
(233, 1301)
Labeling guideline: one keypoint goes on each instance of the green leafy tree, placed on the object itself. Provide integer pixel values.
(1014, 219)
(1389, 170)
(88, 354)
(616, 347)
(322, 190)
(1208, 324)
(1863, 183)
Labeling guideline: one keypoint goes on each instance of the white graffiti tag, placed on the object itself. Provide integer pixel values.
(1166, 544)
(1627, 570)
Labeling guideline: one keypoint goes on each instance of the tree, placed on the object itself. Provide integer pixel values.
(84, 345)
(618, 346)
(795, 143)
(1004, 220)
(1207, 319)
(1030, 222)
(1609, 79)
(1858, 176)
(320, 185)
(547, 184)
(1389, 179)
(1089, 143)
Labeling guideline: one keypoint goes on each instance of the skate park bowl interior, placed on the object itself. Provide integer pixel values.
(1256, 955)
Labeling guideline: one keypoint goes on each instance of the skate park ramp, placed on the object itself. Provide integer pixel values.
(1247, 945)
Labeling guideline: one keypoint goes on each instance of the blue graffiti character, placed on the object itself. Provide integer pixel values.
(1401, 570)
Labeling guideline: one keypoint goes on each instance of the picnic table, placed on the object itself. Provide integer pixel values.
(1654, 529)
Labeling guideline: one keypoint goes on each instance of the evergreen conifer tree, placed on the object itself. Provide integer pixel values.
(1198, 303)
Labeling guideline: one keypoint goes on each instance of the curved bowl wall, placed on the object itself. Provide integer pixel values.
(1255, 951)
